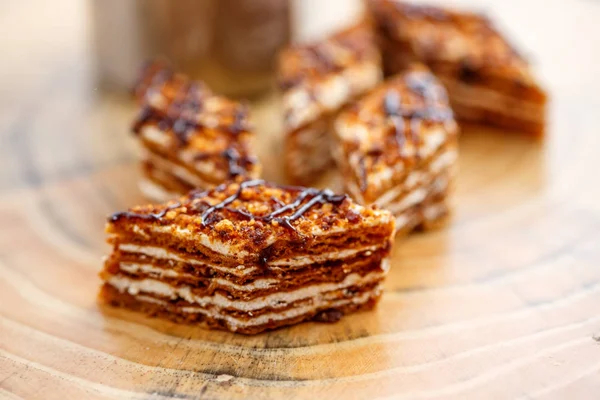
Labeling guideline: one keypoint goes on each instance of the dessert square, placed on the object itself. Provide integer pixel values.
(316, 81)
(487, 80)
(248, 256)
(191, 138)
(396, 148)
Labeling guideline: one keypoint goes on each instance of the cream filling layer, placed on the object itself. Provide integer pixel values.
(417, 196)
(431, 140)
(162, 140)
(333, 255)
(420, 176)
(156, 136)
(156, 272)
(205, 240)
(430, 213)
(402, 221)
(275, 300)
(435, 211)
(429, 146)
(354, 191)
(330, 94)
(177, 170)
(414, 178)
(237, 323)
(380, 217)
(311, 150)
(163, 254)
(241, 270)
(413, 198)
(480, 97)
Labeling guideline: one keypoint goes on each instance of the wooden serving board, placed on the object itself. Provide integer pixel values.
(503, 303)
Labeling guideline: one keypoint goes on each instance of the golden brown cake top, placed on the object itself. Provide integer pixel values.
(305, 64)
(319, 78)
(439, 35)
(157, 76)
(252, 214)
(403, 120)
(186, 117)
(186, 107)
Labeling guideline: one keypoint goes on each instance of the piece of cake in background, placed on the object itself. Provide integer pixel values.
(396, 148)
(191, 138)
(316, 81)
(249, 256)
(487, 80)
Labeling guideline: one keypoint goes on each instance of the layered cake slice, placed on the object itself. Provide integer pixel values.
(248, 256)
(396, 148)
(191, 138)
(487, 80)
(316, 81)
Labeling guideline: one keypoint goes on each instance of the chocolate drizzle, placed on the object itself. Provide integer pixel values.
(324, 61)
(247, 184)
(236, 163)
(423, 84)
(184, 107)
(145, 115)
(180, 115)
(321, 58)
(468, 72)
(147, 217)
(306, 199)
(297, 208)
(316, 197)
(391, 104)
(239, 123)
(183, 111)
(362, 176)
(153, 75)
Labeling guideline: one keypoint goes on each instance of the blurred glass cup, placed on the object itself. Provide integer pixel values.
(229, 44)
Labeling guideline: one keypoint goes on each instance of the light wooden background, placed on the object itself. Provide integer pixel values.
(505, 303)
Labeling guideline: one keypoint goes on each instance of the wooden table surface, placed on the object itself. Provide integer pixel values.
(504, 303)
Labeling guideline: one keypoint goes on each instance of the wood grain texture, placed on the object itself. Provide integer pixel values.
(501, 304)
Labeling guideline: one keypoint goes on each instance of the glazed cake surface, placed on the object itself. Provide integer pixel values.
(190, 137)
(488, 81)
(397, 148)
(248, 256)
(316, 80)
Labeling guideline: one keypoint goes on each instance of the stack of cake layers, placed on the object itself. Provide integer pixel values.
(249, 256)
(190, 137)
(397, 149)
